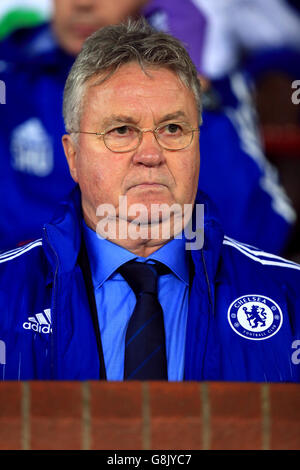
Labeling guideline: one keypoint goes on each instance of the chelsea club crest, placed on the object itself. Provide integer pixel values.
(255, 317)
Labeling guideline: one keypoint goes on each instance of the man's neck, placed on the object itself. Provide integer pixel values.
(140, 240)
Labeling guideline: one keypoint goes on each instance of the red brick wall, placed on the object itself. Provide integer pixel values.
(148, 416)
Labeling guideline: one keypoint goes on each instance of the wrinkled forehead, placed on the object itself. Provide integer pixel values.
(127, 68)
(138, 89)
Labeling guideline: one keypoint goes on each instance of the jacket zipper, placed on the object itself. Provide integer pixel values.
(52, 341)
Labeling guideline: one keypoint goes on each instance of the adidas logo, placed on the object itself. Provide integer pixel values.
(40, 323)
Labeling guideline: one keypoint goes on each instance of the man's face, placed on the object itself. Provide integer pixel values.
(150, 174)
(74, 20)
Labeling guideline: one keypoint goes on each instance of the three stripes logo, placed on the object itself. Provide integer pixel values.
(40, 322)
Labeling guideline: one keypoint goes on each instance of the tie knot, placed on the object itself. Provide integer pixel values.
(141, 277)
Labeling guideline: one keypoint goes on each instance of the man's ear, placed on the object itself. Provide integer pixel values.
(71, 154)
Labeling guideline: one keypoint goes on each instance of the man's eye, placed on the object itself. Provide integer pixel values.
(172, 129)
(122, 130)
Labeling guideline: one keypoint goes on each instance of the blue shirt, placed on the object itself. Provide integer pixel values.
(116, 301)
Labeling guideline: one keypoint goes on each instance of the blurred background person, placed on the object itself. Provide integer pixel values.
(237, 29)
(244, 186)
(261, 39)
(34, 65)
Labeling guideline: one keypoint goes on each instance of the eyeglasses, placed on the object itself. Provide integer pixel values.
(173, 136)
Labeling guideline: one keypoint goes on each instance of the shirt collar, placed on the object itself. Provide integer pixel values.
(106, 257)
(174, 255)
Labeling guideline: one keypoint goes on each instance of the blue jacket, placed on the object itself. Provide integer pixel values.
(34, 175)
(243, 318)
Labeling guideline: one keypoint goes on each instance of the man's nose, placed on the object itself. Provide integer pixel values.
(149, 152)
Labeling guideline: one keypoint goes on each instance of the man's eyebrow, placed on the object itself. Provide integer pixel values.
(172, 116)
(118, 118)
(122, 118)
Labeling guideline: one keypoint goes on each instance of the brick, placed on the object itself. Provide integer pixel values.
(175, 415)
(285, 416)
(116, 415)
(10, 416)
(153, 415)
(235, 416)
(56, 415)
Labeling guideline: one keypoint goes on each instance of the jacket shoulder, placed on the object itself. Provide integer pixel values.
(21, 255)
(22, 36)
(271, 264)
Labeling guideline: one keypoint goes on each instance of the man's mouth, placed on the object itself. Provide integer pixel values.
(83, 30)
(148, 185)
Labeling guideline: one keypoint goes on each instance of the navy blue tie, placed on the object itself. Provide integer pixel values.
(145, 350)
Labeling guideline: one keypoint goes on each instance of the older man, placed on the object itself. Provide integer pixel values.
(102, 295)
(34, 176)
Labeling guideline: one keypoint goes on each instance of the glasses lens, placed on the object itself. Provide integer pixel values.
(122, 139)
(174, 136)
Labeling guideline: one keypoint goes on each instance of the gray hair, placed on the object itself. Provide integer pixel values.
(112, 46)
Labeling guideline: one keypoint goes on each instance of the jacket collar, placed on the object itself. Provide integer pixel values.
(206, 260)
(62, 236)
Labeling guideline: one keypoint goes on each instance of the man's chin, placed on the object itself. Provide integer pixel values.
(155, 211)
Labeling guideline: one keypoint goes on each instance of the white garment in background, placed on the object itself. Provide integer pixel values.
(244, 25)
